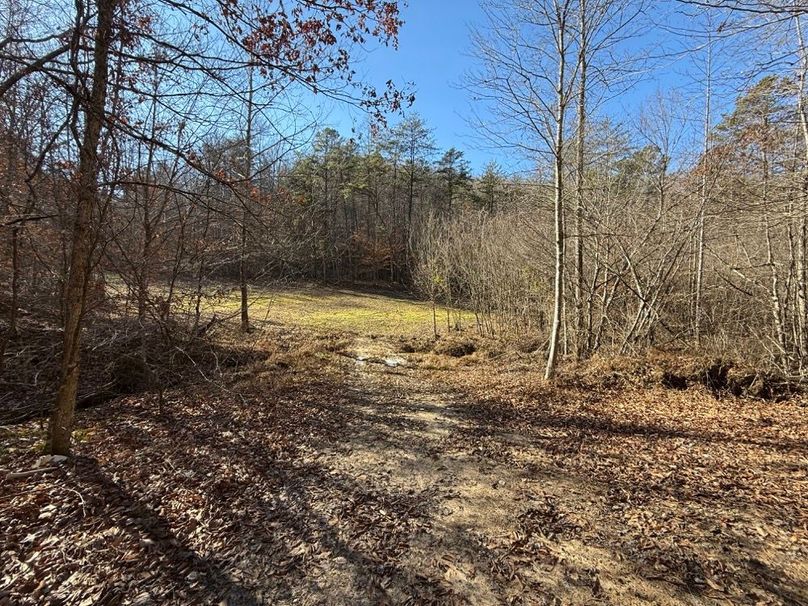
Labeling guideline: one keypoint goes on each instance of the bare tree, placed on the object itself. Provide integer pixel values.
(108, 35)
(603, 26)
(527, 77)
(93, 106)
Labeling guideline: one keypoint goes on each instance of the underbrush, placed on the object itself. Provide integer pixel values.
(722, 376)
(122, 356)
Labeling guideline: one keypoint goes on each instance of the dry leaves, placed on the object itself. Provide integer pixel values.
(352, 486)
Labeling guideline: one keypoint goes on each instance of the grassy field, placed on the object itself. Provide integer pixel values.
(331, 309)
(368, 312)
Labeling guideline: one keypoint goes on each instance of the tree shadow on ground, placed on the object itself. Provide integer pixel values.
(183, 571)
(256, 500)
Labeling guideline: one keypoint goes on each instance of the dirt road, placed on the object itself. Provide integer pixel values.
(377, 479)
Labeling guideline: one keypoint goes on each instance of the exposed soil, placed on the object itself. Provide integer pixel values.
(366, 475)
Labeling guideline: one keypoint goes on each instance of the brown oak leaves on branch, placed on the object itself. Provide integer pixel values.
(311, 42)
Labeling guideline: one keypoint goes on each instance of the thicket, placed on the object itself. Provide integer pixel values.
(666, 264)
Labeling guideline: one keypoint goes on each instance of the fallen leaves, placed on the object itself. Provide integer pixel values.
(347, 487)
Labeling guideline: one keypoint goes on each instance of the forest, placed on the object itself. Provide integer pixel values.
(281, 326)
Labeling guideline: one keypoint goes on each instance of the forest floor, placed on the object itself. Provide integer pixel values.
(349, 465)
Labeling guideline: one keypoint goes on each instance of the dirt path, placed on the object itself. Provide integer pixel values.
(368, 478)
(508, 525)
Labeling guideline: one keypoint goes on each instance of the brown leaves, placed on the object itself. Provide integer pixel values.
(366, 484)
(691, 486)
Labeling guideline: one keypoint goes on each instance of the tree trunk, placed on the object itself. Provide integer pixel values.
(802, 268)
(558, 203)
(15, 283)
(776, 303)
(84, 231)
(581, 340)
(242, 259)
(143, 273)
(704, 195)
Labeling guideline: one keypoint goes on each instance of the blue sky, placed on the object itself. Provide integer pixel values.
(434, 53)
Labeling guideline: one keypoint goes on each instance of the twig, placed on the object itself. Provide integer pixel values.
(22, 492)
(13, 475)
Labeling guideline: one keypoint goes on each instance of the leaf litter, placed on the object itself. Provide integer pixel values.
(412, 484)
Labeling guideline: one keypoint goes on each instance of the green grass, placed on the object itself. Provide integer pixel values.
(334, 310)
(317, 307)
